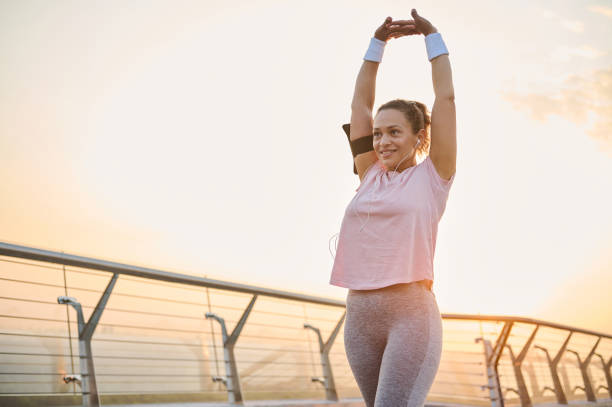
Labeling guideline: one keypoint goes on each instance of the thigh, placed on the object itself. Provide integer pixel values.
(364, 344)
(412, 354)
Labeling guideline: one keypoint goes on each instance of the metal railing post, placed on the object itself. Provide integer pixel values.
(606, 368)
(497, 352)
(516, 365)
(232, 381)
(495, 394)
(324, 348)
(553, 364)
(588, 387)
(87, 378)
(536, 391)
(565, 377)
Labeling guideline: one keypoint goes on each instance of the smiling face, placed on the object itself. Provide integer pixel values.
(394, 141)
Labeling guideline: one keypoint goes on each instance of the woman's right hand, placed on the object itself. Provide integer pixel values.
(391, 29)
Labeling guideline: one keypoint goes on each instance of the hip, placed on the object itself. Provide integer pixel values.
(405, 306)
(403, 298)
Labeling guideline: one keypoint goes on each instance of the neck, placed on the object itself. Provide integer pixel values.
(403, 165)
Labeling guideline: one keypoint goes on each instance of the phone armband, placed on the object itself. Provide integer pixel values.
(359, 146)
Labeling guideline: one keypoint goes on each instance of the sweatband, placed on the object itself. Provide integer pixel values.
(375, 50)
(435, 45)
(360, 145)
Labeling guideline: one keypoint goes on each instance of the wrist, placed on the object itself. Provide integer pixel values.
(435, 45)
(375, 50)
(380, 39)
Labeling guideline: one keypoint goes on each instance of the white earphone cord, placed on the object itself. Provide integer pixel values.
(369, 205)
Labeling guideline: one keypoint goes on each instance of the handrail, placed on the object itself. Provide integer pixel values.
(509, 318)
(26, 252)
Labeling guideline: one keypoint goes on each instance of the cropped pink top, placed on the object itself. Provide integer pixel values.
(396, 242)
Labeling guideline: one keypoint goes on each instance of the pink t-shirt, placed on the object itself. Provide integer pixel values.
(396, 244)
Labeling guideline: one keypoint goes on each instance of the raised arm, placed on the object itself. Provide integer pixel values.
(443, 147)
(362, 104)
(361, 112)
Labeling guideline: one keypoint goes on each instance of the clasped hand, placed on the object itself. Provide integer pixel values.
(400, 28)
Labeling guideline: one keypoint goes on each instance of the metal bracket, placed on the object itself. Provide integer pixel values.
(87, 379)
(72, 378)
(606, 368)
(553, 364)
(232, 380)
(324, 348)
(516, 365)
(588, 387)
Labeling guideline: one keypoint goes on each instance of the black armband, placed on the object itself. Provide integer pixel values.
(359, 146)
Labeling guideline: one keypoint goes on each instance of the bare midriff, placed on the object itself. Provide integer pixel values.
(426, 283)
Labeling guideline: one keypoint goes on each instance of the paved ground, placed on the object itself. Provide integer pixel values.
(342, 403)
(357, 402)
(257, 403)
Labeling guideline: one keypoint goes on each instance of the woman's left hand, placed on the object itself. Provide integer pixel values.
(395, 29)
(422, 24)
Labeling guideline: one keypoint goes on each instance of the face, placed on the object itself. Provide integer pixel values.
(394, 140)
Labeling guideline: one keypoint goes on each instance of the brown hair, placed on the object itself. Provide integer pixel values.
(417, 115)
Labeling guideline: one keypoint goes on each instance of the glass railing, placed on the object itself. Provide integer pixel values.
(147, 335)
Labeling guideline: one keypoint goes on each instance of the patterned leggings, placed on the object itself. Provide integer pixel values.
(393, 342)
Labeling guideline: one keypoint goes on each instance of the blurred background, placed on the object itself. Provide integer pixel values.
(204, 137)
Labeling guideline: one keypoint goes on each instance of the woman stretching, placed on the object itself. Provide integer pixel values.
(393, 327)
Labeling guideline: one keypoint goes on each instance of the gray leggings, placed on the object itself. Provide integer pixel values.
(393, 342)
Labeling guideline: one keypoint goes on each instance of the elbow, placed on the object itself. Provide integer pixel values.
(357, 105)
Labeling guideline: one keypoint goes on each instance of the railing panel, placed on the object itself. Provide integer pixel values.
(153, 339)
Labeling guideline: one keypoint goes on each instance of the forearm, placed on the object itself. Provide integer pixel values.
(365, 86)
(442, 77)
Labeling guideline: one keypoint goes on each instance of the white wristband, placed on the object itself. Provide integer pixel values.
(375, 51)
(435, 45)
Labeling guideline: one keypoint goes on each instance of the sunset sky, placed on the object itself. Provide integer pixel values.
(204, 137)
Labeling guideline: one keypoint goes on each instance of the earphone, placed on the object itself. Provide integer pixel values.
(369, 205)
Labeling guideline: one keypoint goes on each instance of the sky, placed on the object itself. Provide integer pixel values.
(204, 137)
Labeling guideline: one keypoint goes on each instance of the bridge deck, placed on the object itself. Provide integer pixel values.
(345, 403)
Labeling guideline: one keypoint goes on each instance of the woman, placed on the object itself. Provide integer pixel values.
(393, 327)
